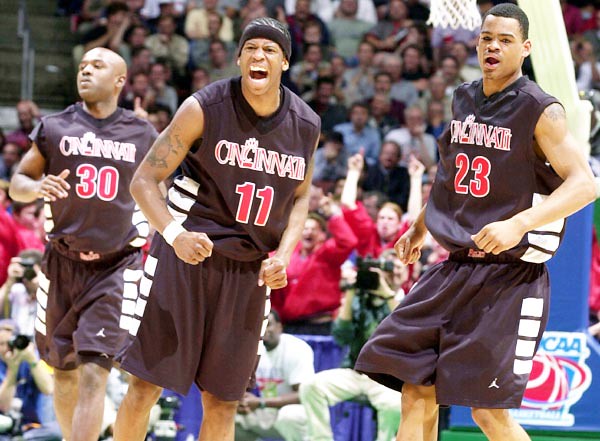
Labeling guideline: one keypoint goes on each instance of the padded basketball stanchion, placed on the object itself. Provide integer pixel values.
(553, 64)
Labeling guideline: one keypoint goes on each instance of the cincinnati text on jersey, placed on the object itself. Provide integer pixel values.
(90, 145)
(481, 134)
(251, 156)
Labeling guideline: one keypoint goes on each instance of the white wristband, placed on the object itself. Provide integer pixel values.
(171, 231)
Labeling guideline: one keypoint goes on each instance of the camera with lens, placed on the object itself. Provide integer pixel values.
(19, 342)
(28, 270)
(367, 280)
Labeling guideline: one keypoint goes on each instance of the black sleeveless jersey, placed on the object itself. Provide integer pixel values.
(488, 170)
(239, 179)
(102, 155)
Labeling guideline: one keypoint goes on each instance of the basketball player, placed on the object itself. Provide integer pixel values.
(245, 147)
(509, 174)
(81, 162)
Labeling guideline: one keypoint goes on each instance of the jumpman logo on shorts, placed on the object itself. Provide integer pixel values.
(494, 384)
(101, 333)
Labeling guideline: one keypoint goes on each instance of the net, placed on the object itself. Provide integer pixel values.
(454, 13)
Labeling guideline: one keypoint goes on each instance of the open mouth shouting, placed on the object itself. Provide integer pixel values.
(258, 73)
(491, 62)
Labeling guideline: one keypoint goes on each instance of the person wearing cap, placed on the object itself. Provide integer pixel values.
(227, 231)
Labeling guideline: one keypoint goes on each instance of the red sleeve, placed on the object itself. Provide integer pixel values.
(363, 227)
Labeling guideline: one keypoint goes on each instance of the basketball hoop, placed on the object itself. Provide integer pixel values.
(454, 13)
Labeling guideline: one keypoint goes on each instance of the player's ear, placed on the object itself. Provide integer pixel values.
(238, 61)
(526, 48)
(286, 65)
(121, 81)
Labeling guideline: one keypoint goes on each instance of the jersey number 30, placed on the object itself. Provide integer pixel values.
(103, 183)
(479, 186)
(247, 190)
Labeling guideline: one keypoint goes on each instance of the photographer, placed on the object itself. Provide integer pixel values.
(17, 295)
(371, 293)
(26, 383)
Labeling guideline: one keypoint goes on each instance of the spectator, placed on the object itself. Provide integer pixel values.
(442, 39)
(593, 35)
(305, 73)
(141, 60)
(219, 66)
(389, 32)
(330, 161)
(347, 29)
(29, 223)
(282, 368)
(572, 18)
(199, 47)
(18, 294)
(388, 177)
(200, 79)
(413, 139)
(26, 378)
(251, 10)
(436, 123)
(168, 45)
(587, 68)
(109, 34)
(308, 303)
(135, 37)
(437, 92)
(414, 67)
(363, 308)
(9, 243)
(11, 155)
(198, 26)
(139, 89)
(417, 11)
(358, 136)
(383, 85)
(466, 72)
(402, 90)
(450, 70)
(360, 80)
(325, 105)
(381, 116)
(375, 236)
(163, 93)
(27, 113)
(296, 25)
(159, 116)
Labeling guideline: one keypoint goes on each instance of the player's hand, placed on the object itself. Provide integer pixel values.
(408, 247)
(55, 187)
(192, 247)
(272, 273)
(499, 236)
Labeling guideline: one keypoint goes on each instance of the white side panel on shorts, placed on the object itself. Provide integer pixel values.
(150, 266)
(188, 185)
(131, 279)
(530, 323)
(41, 296)
(49, 222)
(553, 227)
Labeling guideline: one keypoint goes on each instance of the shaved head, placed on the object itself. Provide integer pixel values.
(109, 57)
(101, 76)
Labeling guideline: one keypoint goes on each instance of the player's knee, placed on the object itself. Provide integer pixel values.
(417, 397)
(142, 392)
(488, 419)
(65, 382)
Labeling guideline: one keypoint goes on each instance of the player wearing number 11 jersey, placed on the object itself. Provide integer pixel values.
(509, 173)
(81, 162)
(245, 147)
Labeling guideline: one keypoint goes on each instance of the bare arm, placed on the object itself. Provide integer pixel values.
(272, 272)
(29, 184)
(577, 190)
(165, 155)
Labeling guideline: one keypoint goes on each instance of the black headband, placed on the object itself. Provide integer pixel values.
(270, 29)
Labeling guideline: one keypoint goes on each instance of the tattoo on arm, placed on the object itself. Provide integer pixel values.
(555, 112)
(167, 143)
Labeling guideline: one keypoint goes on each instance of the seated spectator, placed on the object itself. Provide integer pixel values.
(219, 66)
(330, 162)
(368, 299)
(450, 70)
(437, 92)
(402, 90)
(436, 123)
(168, 45)
(305, 73)
(29, 222)
(381, 116)
(383, 86)
(163, 93)
(358, 135)
(27, 113)
(18, 294)
(442, 39)
(388, 33)
(159, 116)
(360, 80)
(109, 33)
(413, 139)
(200, 47)
(414, 67)
(138, 89)
(388, 177)
(9, 242)
(326, 106)
(276, 412)
(24, 377)
(11, 155)
(347, 29)
(308, 303)
(135, 37)
(251, 10)
(296, 25)
(466, 72)
(197, 22)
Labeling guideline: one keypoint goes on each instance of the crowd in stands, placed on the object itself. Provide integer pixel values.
(381, 80)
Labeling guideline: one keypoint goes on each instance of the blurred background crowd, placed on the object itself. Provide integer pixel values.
(381, 80)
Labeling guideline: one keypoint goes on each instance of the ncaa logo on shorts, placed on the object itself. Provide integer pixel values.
(558, 380)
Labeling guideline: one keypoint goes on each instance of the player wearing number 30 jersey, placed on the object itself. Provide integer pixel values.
(81, 162)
